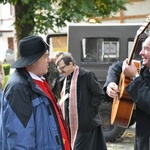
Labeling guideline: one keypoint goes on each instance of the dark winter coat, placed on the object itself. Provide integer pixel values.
(89, 97)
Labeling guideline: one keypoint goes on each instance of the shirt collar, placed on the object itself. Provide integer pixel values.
(33, 76)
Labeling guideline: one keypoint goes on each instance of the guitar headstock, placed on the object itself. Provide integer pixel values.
(144, 26)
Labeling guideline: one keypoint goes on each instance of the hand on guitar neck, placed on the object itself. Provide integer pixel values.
(129, 70)
(112, 90)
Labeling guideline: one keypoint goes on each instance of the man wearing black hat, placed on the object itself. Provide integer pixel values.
(31, 118)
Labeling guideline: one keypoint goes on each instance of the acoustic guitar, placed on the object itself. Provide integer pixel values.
(123, 105)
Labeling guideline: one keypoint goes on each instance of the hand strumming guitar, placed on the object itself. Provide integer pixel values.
(112, 89)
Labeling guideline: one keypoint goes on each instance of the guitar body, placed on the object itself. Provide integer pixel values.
(123, 105)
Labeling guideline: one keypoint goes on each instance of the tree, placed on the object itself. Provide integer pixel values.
(37, 16)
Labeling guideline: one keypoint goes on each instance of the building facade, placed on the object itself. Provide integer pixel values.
(137, 11)
(6, 27)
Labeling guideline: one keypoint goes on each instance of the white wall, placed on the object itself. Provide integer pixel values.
(133, 9)
(3, 40)
(6, 25)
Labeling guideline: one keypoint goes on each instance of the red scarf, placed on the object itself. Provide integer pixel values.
(63, 126)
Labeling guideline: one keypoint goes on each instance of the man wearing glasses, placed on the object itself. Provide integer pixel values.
(81, 96)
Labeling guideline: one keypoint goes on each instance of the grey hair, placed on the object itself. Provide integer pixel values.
(67, 58)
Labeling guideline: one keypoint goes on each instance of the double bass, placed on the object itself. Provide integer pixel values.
(122, 107)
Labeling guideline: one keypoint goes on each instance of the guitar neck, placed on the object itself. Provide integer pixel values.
(139, 32)
(133, 49)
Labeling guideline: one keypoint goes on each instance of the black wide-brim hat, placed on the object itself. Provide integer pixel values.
(31, 48)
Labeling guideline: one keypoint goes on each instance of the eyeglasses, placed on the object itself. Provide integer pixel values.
(61, 68)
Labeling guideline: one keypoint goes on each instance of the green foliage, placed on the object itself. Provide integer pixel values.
(5, 80)
(6, 69)
(38, 16)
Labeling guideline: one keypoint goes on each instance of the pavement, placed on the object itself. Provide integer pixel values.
(126, 142)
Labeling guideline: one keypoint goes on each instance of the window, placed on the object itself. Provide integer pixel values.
(137, 48)
(58, 43)
(100, 50)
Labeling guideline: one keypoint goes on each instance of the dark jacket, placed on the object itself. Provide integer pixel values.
(89, 96)
(28, 120)
(139, 91)
(114, 72)
(54, 78)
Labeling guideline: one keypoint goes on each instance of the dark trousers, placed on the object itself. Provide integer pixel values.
(90, 140)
